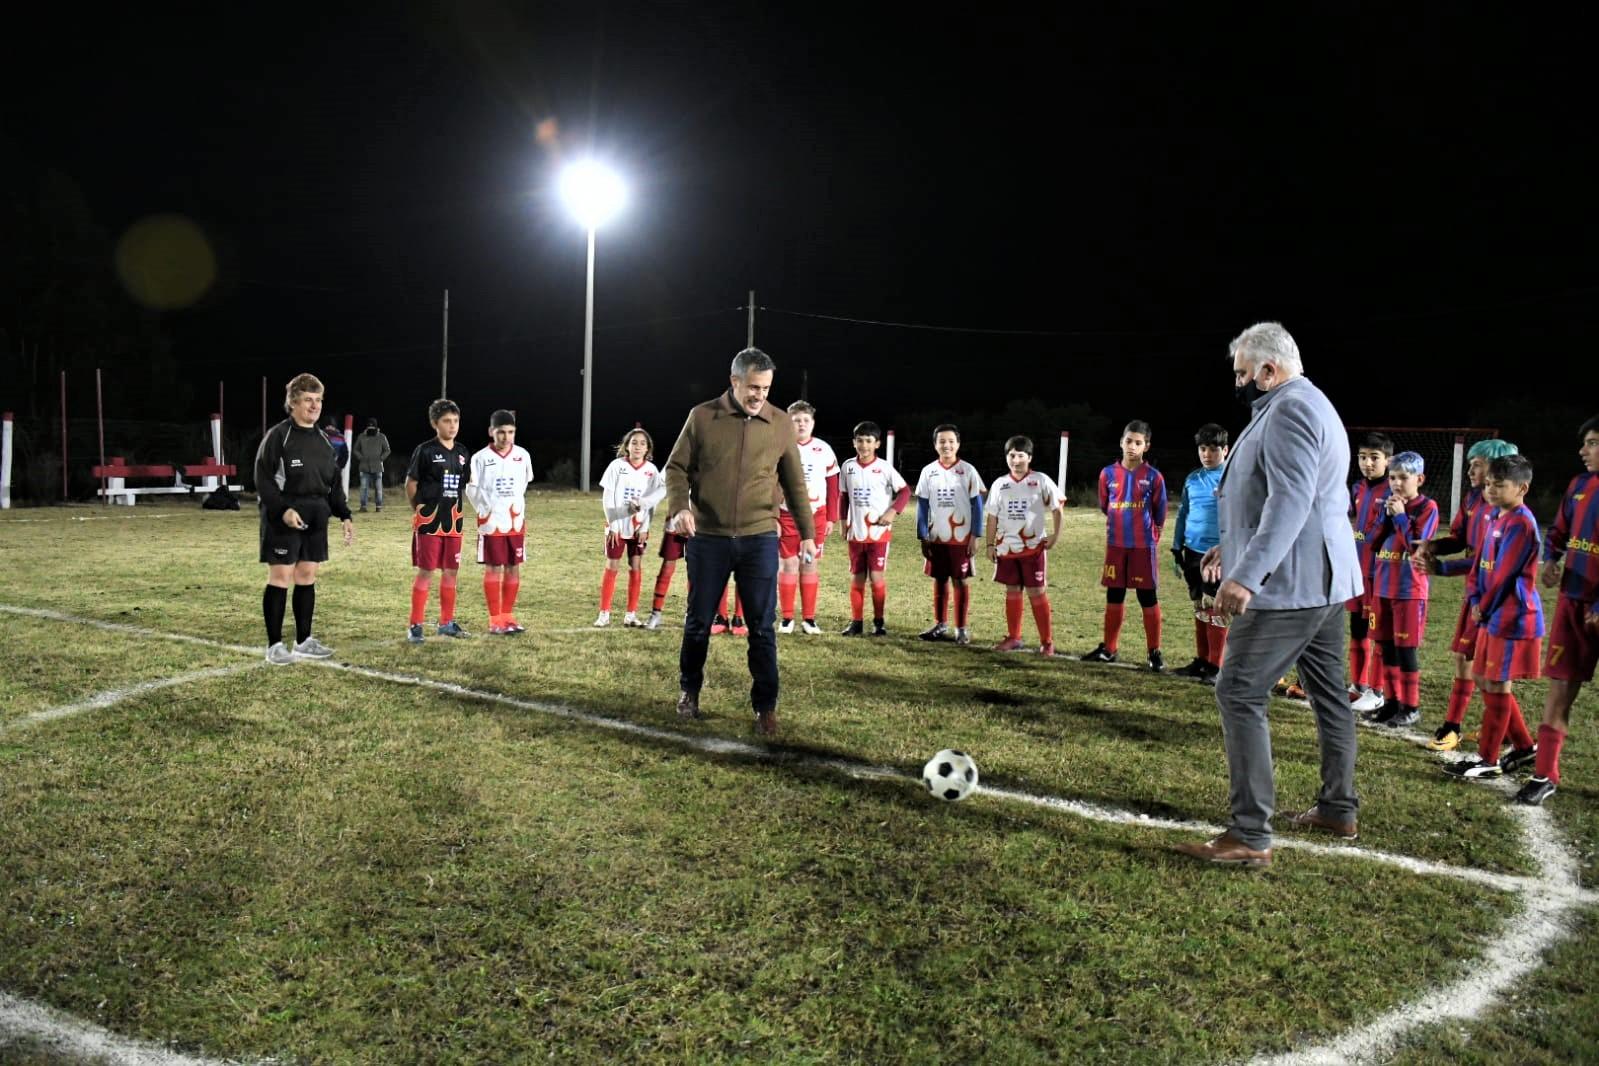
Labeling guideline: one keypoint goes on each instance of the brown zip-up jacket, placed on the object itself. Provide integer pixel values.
(726, 464)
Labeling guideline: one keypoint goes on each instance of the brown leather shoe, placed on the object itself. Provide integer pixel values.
(688, 705)
(1226, 850)
(766, 723)
(1314, 819)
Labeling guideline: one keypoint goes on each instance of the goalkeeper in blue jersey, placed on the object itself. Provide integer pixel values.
(1196, 534)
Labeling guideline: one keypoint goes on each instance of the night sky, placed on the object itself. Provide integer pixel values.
(1112, 197)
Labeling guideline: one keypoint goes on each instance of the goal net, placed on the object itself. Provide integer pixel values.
(1442, 448)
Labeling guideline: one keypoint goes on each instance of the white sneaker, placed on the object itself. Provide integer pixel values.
(1369, 701)
(786, 626)
(655, 620)
(630, 619)
(279, 654)
(603, 620)
(963, 635)
(810, 628)
(312, 648)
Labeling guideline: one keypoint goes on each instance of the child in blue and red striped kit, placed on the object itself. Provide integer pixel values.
(1399, 621)
(1132, 494)
(1367, 495)
(1466, 533)
(1574, 637)
(1509, 616)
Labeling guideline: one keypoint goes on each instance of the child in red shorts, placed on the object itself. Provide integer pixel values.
(1509, 616)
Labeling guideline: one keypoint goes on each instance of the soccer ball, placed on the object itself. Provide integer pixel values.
(950, 775)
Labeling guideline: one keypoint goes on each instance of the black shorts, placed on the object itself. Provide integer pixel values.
(1197, 586)
(282, 546)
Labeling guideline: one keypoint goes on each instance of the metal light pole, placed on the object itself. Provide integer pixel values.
(594, 195)
(588, 371)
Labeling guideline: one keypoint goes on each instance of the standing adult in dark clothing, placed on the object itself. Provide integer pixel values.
(298, 485)
(721, 491)
(371, 450)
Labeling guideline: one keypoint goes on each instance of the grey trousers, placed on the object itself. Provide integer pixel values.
(1261, 646)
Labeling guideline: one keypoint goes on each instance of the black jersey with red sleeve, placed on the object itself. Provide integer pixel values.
(441, 473)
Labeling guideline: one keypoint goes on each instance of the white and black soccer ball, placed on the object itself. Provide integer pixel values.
(950, 775)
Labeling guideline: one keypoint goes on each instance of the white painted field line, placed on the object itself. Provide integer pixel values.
(1077, 808)
(1421, 867)
(84, 518)
(1551, 898)
(122, 627)
(66, 1036)
(1515, 951)
(114, 696)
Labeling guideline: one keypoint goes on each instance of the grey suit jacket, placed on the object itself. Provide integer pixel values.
(1283, 506)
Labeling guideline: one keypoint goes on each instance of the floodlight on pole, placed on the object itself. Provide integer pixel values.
(594, 194)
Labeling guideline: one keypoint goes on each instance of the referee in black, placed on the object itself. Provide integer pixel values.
(297, 483)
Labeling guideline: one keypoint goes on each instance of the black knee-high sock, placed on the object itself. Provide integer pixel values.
(272, 603)
(304, 607)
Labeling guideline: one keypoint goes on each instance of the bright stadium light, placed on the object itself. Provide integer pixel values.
(594, 195)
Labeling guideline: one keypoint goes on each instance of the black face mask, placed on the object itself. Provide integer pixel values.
(1247, 393)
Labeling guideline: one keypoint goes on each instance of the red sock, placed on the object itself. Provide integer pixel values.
(1202, 639)
(663, 584)
(1495, 721)
(1547, 764)
(1152, 626)
(1394, 683)
(491, 594)
(1520, 739)
(962, 601)
(738, 605)
(808, 584)
(635, 582)
(941, 601)
(1357, 662)
(721, 604)
(1113, 625)
(787, 586)
(508, 590)
(857, 600)
(607, 589)
(447, 598)
(419, 598)
(1460, 699)
(1041, 618)
(1410, 692)
(1013, 613)
(879, 597)
(1218, 645)
(1376, 671)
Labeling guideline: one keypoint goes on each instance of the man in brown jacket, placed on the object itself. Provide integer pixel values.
(721, 493)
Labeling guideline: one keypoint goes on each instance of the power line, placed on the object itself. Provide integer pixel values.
(525, 338)
(1002, 332)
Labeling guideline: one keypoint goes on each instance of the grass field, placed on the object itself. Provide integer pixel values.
(497, 850)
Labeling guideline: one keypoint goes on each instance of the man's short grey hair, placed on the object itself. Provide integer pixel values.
(1267, 342)
(751, 361)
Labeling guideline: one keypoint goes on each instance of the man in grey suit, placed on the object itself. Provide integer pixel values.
(1286, 563)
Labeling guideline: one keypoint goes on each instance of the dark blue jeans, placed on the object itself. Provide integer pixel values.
(753, 562)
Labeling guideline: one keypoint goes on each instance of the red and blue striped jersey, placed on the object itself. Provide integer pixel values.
(1470, 525)
(1504, 586)
(1366, 498)
(1134, 502)
(1575, 535)
(1471, 521)
(1396, 576)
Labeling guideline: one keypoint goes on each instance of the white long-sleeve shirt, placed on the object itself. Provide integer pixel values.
(622, 484)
